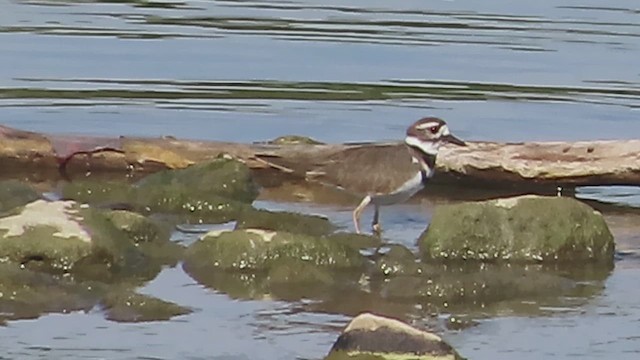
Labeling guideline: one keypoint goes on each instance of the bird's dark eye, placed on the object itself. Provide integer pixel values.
(433, 129)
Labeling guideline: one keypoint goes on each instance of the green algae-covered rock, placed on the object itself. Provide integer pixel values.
(16, 193)
(525, 228)
(294, 140)
(256, 249)
(285, 221)
(138, 228)
(45, 231)
(225, 178)
(127, 306)
(369, 336)
(99, 192)
(212, 192)
(64, 236)
(191, 208)
(151, 237)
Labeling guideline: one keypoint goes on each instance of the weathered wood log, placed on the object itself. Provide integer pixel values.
(534, 164)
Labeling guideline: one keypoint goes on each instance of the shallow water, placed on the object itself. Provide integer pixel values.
(337, 71)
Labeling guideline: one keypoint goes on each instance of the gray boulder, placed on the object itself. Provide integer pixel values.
(525, 228)
(369, 336)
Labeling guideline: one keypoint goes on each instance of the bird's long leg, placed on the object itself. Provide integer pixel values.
(358, 211)
(375, 225)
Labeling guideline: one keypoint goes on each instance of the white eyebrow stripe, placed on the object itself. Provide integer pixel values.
(427, 125)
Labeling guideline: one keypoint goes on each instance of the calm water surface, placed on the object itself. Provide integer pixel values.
(337, 71)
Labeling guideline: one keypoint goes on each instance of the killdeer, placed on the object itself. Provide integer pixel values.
(384, 174)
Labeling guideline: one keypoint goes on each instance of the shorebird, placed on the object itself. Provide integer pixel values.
(383, 174)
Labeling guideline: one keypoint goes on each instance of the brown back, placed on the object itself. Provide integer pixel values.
(366, 169)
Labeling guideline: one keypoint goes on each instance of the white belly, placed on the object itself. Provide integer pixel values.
(404, 193)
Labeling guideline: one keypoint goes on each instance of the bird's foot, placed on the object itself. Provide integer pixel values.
(377, 229)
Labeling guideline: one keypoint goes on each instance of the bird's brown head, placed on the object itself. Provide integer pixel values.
(429, 133)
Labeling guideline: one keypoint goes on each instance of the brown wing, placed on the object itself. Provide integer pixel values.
(367, 169)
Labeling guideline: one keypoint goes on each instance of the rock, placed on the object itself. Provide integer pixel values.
(369, 336)
(285, 221)
(526, 228)
(256, 249)
(127, 306)
(63, 236)
(45, 231)
(99, 192)
(16, 193)
(211, 192)
(151, 237)
(294, 140)
(222, 177)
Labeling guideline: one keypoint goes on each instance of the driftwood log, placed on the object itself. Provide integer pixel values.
(482, 164)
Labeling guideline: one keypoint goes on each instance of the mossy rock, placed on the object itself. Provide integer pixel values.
(209, 192)
(149, 236)
(294, 140)
(222, 177)
(525, 228)
(255, 249)
(295, 223)
(127, 306)
(191, 208)
(64, 236)
(99, 192)
(15, 193)
(138, 228)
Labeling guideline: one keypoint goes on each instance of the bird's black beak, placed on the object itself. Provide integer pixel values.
(454, 140)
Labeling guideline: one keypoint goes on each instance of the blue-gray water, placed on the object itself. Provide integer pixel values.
(338, 71)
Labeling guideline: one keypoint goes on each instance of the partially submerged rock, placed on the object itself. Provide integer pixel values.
(100, 192)
(45, 231)
(223, 177)
(295, 223)
(64, 236)
(257, 264)
(127, 306)
(256, 249)
(525, 228)
(369, 336)
(16, 193)
(151, 237)
(212, 192)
